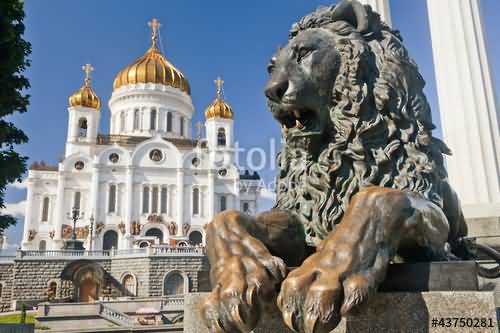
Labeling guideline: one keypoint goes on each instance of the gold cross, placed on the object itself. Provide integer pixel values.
(87, 68)
(218, 83)
(199, 127)
(155, 25)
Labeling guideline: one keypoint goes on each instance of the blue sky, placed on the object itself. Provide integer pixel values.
(204, 39)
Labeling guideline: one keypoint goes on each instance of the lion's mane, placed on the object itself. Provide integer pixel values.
(380, 132)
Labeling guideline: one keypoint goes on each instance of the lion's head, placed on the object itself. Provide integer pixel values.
(350, 102)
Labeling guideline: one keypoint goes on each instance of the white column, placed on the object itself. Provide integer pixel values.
(467, 104)
(382, 7)
(180, 199)
(94, 199)
(211, 194)
(169, 202)
(60, 209)
(27, 215)
(236, 202)
(129, 197)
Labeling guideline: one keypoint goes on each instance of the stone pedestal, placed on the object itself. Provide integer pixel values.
(388, 313)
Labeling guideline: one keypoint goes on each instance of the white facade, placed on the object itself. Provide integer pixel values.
(148, 172)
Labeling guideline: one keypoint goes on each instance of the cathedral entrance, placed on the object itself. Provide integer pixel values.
(88, 291)
(87, 278)
(155, 232)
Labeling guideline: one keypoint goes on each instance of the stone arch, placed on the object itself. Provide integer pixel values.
(175, 282)
(109, 239)
(221, 137)
(82, 127)
(195, 237)
(142, 150)
(52, 289)
(42, 246)
(129, 284)
(87, 278)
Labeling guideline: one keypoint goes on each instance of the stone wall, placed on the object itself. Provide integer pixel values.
(6, 280)
(189, 267)
(138, 267)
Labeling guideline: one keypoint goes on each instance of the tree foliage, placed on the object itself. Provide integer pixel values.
(14, 51)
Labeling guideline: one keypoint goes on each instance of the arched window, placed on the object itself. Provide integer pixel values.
(143, 244)
(173, 284)
(122, 121)
(145, 200)
(137, 116)
(223, 205)
(154, 208)
(195, 238)
(246, 207)
(110, 240)
(155, 232)
(130, 285)
(82, 127)
(52, 291)
(164, 200)
(45, 209)
(169, 122)
(112, 199)
(77, 200)
(152, 123)
(221, 137)
(181, 124)
(42, 246)
(196, 201)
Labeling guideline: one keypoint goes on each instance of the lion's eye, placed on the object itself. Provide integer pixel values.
(303, 53)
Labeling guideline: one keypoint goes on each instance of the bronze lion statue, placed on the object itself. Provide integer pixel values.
(361, 182)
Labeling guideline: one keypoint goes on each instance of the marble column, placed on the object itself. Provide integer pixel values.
(382, 7)
(60, 209)
(180, 200)
(28, 213)
(211, 194)
(94, 197)
(129, 205)
(467, 105)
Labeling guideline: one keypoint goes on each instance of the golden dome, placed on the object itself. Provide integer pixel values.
(219, 108)
(86, 96)
(152, 67)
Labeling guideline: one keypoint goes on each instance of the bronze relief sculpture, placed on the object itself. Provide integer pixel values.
(361, 182)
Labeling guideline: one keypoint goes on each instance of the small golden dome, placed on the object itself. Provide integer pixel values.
(152, 67)
(219, 108)
(86, 96)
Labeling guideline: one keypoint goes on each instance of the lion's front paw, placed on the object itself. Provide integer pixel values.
(314, 296)
(244, 285)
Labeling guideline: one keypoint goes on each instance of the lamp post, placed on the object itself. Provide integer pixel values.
(91, 232)
(73, 243)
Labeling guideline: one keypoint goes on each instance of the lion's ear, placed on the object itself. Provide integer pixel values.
(353, 12)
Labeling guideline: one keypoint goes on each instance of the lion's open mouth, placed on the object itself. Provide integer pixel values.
(299, 122)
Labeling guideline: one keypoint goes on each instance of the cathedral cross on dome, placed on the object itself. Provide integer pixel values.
(87, 68)
(155, 25)
(218, 83)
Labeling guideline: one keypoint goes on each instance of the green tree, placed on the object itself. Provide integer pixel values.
(14, 51)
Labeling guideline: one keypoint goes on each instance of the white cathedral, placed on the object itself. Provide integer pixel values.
(147, 182)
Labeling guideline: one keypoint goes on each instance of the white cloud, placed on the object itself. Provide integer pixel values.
(16, 209)
(18, 185)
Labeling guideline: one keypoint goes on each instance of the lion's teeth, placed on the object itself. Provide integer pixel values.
(298, 124)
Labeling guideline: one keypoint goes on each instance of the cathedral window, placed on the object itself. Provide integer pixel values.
(246, 207)
(169, 122)
(112, 199)
(196, 201)
(181, 126)
(223, 205)
(82, 127)
(77, 199)
(221, 137)
(152, 125)
(42, 246)
(154, 200)
(145, 200)
(137, 116)
(122, 121)
(173, 284)
(45, 209)
(164, 198)
(130, 285)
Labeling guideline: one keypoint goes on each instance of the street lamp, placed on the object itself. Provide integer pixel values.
(73, 243)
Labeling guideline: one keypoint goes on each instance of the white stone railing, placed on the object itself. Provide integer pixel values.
(191, 251)
(173, 302)
(117, 317)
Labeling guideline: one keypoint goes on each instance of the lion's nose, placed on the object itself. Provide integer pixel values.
(275, 90)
